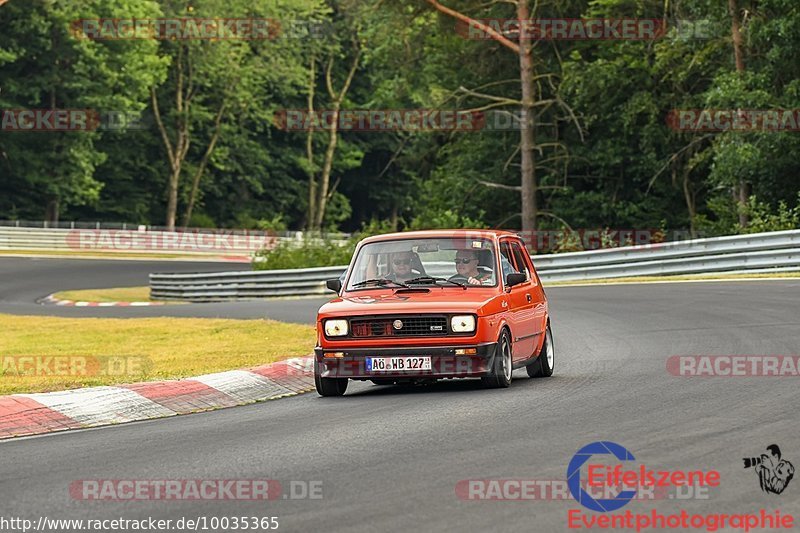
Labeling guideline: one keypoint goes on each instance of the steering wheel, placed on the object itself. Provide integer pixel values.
(459, 278)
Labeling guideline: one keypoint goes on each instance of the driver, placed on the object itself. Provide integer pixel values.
(467, 267)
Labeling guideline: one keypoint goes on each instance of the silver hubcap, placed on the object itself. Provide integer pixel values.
(550, 350)
(506, 361)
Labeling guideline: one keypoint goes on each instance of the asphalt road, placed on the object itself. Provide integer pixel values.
(23, 281)
(389, 458)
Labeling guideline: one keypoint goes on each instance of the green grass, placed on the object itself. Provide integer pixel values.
(118, 294)
(153, 348)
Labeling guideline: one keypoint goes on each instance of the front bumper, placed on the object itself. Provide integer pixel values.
(350, 362)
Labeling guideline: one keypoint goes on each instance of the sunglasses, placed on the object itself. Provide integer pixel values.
(402, 261)
(464, 260)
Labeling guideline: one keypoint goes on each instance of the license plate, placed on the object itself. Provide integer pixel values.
(397, 364)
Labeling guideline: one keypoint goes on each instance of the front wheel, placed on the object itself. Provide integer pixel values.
(500, 374)
(328, 386)
(542, 366)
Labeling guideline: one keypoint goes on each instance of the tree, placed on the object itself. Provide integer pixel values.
(46, 66)
(214, 81)
(320, 190)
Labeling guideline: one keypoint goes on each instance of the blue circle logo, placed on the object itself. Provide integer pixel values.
(574, 476)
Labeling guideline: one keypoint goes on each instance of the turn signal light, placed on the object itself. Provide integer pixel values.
(466, 351)
(334, 354)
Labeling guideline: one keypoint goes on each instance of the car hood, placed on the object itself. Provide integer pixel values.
(438, 300)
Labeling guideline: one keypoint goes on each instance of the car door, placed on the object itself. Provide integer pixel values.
(525, 302)
(517, 301)
(538, 297)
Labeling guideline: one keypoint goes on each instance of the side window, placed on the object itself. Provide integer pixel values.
(519, 259)
(506, 259)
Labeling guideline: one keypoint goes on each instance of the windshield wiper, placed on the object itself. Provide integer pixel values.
(379, 281)
(431, 279)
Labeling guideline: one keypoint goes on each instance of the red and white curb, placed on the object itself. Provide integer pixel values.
(52, 300)
(33, 414)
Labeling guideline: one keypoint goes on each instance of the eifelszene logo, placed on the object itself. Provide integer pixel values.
(774, 473)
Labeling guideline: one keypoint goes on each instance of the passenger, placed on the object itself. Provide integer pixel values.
(401, 267)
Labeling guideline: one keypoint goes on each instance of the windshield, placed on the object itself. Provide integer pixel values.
(446, 261)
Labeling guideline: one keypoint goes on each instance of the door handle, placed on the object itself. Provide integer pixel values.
(529, 297)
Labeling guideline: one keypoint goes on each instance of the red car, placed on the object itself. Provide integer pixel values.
(426, 305)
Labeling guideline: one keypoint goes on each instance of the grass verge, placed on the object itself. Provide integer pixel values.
(105, 351)
(117, 294)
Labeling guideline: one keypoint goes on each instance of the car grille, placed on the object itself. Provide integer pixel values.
(416, 326)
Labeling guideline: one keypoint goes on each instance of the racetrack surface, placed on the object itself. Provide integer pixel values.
(389, 458)
(23, 281)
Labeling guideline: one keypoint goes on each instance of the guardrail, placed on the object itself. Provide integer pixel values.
(188, 243)
(758, 251)
(129, 226)
(191, 243)
(762, 252)
(242, 285)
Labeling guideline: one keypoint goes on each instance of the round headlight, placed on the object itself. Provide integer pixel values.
(462, 323)
(336, 328)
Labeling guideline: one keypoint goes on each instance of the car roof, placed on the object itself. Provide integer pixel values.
(441, 233)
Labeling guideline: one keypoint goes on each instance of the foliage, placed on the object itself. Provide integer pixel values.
(316, 250)
(613, 162)
(763, 218)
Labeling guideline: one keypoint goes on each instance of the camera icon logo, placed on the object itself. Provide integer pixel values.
(774, 473)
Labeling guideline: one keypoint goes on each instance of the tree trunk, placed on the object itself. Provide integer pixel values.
(743, 188)
(744, 195)
(394, 217)
(52, 213)
(736, 32)
(527, 135)
(688, 195)
(172, 197)
(327, 167)
(175, 154)
(312, 174)
(203, 163)
(322, 188)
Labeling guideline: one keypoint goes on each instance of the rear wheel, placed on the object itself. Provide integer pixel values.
(542, 366)
(328, 386)
(500, 374)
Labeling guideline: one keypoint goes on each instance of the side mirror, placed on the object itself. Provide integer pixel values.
(515, 278)
(334, 285)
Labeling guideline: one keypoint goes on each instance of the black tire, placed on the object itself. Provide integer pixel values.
(500, 374)
(542, 366)
(328, 386)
